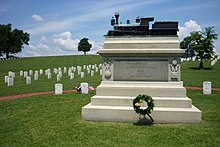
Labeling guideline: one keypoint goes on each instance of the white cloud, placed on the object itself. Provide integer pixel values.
(188, 27)
(37, 18)
(96, 46)
(65, 41)
(91, 12)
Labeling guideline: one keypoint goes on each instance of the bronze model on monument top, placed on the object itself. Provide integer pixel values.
(141, 27)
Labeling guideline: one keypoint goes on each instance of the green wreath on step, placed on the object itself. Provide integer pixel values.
(150, 105)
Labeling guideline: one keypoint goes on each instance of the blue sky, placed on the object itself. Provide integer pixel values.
(57, 26)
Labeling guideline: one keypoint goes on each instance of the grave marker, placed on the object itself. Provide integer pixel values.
(92, 73)
(82, 74)
(10, 81)
(207, 87)
(30, 72)
(6, 79)
(28, 80)
(36, 76)
(58, 77)
(41, 71)
(84, 88)
(25, 74)
(58, 88)
(21, 73)
(49, 75)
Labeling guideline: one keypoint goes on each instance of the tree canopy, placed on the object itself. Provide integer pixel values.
(202, 43)
(84, 45)
(12, 41)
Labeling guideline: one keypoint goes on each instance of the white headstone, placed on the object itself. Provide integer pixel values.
(36, 76)
(41, 71)
(92, 73)
(58, 77)
(84, 66)
(36, 72)
(10, 73)
(84, 88)
(45, 72)
(60, 73)
(55, 71)
(213, 63)
(6, 79)
(25, 73)
(88, 70)
(30, 72)
(64, 69)
(28, 80)
(93, 66)
(207, 87)
(74, 69)
(58, 88)
(10, 81)
(100, 65)
(59, 70)
(69, 71)
(71, 76)
(82, 74)
(13, 74)
(49, 75)
(21, 72)
(79, 70)
(96, 69)
(100, 72)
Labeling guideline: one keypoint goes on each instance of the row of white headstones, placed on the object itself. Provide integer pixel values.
(194, 59)
(90, 69)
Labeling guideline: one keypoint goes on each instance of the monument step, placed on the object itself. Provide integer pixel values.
(127, 114)
(155, 89)
(172, 102)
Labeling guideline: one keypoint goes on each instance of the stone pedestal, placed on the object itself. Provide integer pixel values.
(141, 65)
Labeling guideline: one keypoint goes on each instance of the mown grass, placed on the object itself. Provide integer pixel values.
(55, 120)
(44, 84)
(191, 76)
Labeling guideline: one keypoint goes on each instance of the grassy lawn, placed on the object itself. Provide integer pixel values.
(55, 120)
(44, 84)
(191, 76)
(52, 120)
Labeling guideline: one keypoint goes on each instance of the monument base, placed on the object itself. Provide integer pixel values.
(113, 102)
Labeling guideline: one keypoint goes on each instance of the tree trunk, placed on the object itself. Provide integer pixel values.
(84, 53)
(7, 55)
(201, 64)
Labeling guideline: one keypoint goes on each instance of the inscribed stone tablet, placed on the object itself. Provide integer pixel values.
(141, 71)
(84, 88)
(207, 87)
(58, 88)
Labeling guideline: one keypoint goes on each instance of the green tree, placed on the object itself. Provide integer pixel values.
(201, 43)
(12, 41)
(84, 45)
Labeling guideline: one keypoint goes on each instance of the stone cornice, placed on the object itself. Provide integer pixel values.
(141, 52)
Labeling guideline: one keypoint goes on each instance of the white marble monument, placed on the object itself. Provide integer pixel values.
(141, 65)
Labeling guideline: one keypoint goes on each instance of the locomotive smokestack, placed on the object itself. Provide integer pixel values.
(112, 21)
(116, 18)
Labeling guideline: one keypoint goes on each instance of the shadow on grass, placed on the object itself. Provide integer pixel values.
(197, 68)
(144, 122)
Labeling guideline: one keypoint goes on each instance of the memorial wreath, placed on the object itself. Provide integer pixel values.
(150, 105)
